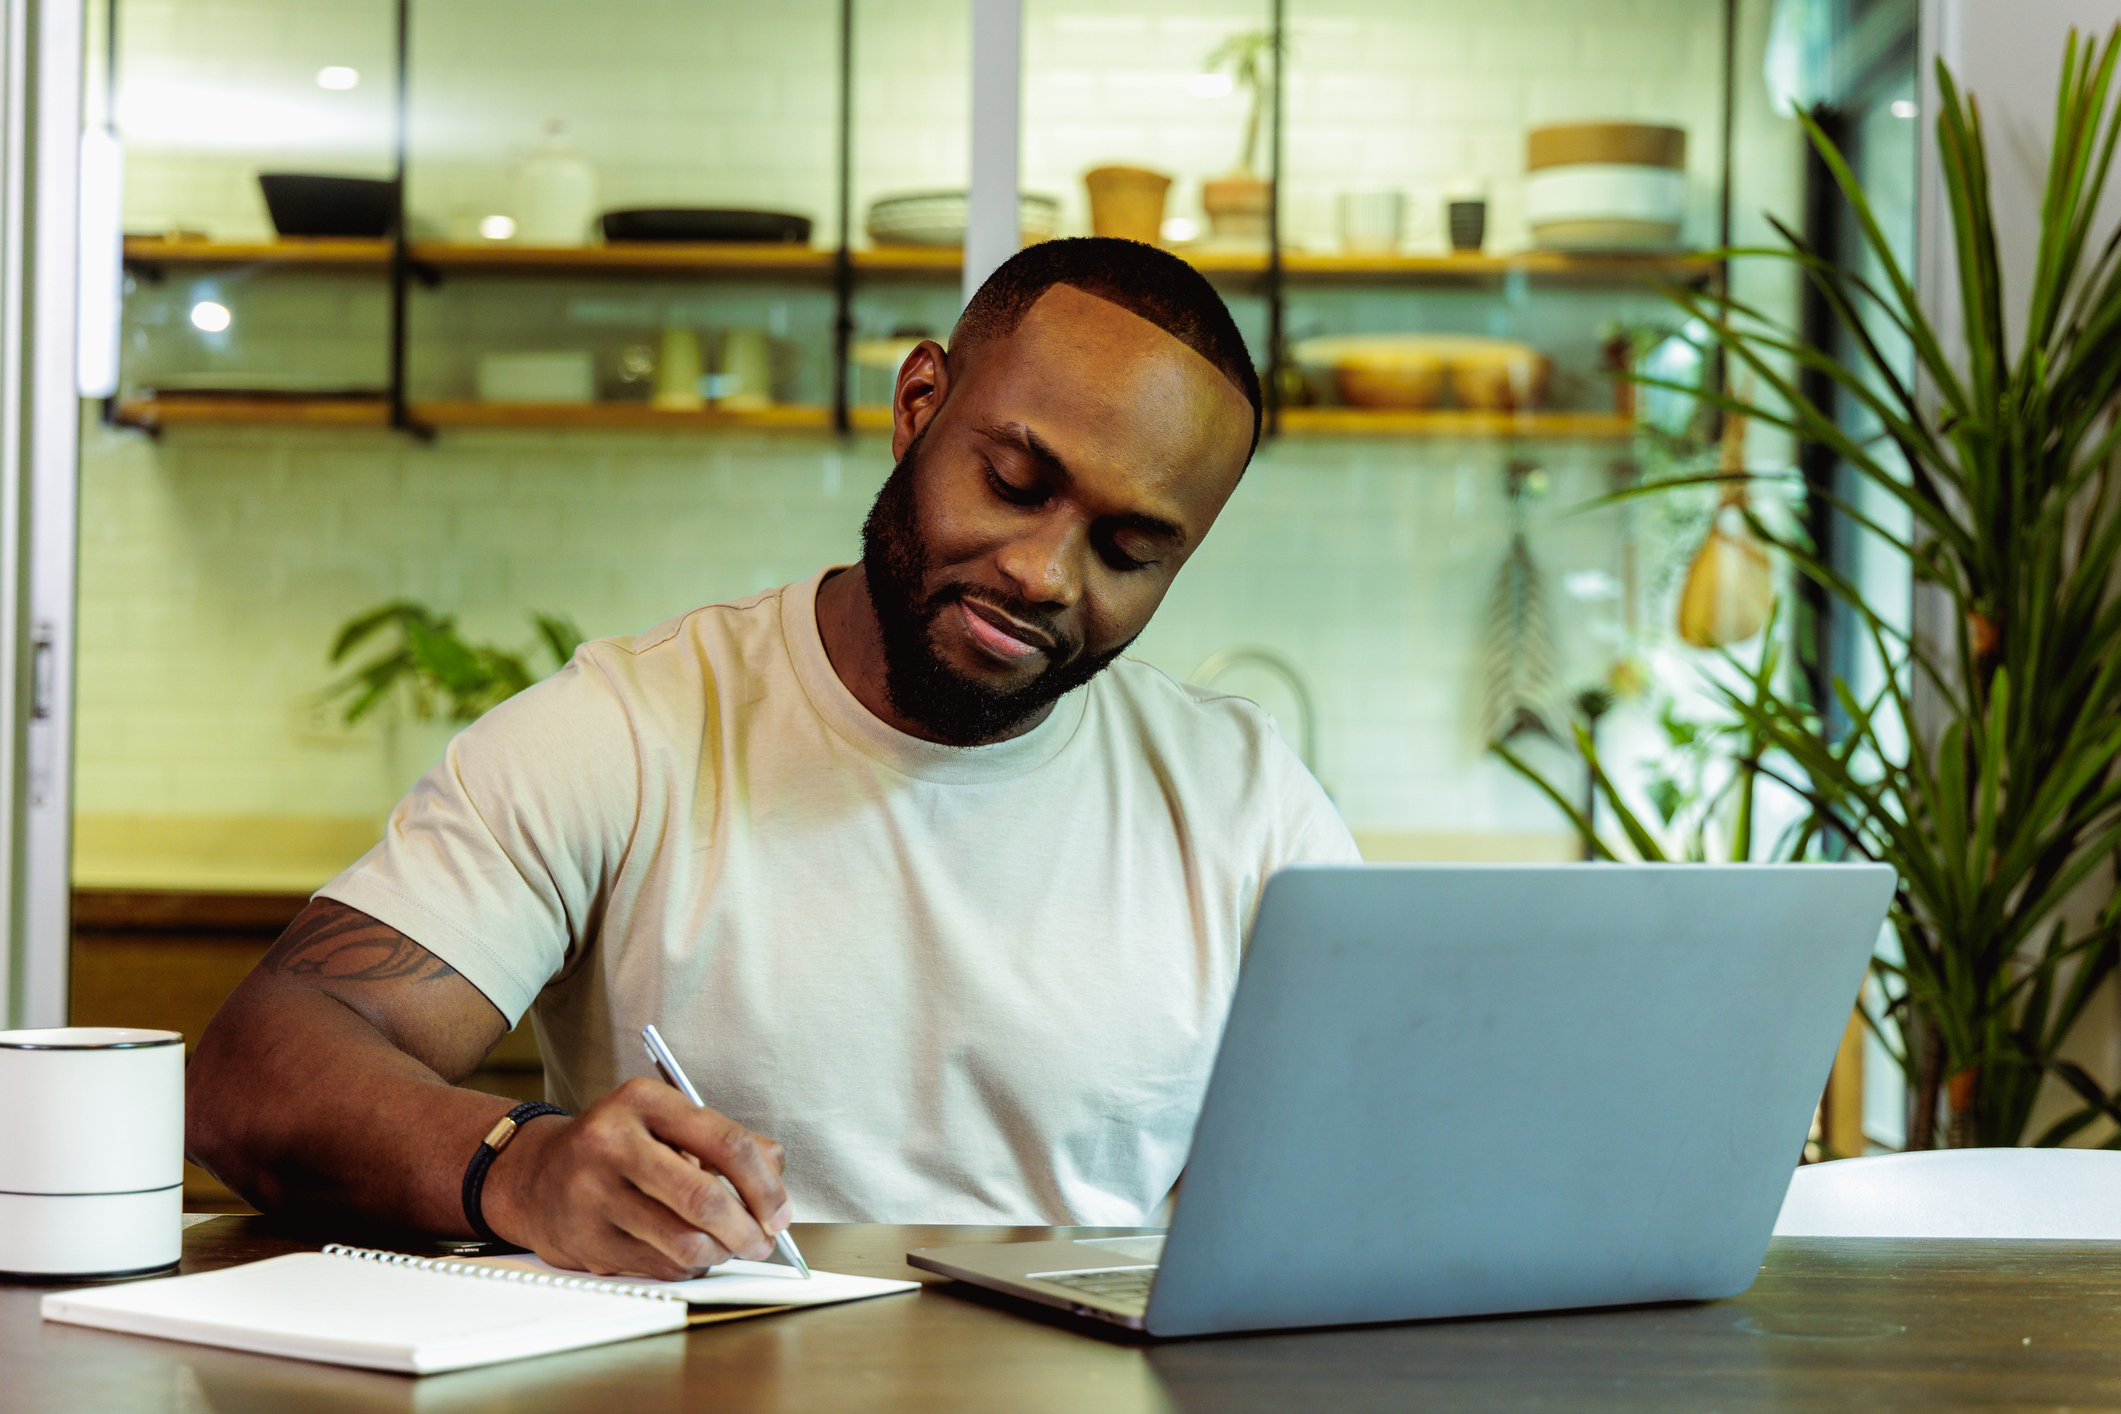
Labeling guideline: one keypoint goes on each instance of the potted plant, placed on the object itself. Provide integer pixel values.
(1997, 799)
(432, 669)
(1238, 204)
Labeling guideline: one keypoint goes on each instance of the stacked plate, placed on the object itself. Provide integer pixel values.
(1605, 186)
(937, 218)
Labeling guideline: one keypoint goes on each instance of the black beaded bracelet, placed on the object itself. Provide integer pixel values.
(495, 1141)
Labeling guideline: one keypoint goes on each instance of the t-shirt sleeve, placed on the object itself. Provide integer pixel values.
(499, 860)
(1315, 833)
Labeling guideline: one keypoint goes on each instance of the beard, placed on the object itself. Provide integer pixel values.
(922, 686)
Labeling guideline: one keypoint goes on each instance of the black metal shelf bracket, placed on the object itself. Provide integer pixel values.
(843, 255)
(401, 262)
(1276, 310)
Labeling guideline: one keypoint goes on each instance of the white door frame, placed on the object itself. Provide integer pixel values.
(41, 54)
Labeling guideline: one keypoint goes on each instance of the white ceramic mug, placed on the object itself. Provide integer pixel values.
(91, 1151)
(1374, 222)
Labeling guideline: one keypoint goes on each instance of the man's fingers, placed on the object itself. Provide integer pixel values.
(669, 1248)
(750, 1161)
(695, 1194)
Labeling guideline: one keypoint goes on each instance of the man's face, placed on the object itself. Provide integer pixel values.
(1046, 494)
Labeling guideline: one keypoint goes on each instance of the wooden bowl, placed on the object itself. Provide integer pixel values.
(1512, 378)
(1412, 370)
(1408, 380)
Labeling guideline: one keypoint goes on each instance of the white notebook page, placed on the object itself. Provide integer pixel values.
(736, 1283)
(319, 1306)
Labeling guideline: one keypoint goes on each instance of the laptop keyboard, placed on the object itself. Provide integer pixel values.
(1124, 1287)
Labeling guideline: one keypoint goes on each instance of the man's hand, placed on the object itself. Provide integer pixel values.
(634, 1185)
(328, 1081)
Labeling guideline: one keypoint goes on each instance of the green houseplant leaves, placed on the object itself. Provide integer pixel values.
(438, 671)
(1994, 795)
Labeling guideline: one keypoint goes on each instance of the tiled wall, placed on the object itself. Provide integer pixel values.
(216, 566)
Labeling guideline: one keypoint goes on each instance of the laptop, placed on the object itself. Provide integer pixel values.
(1463, 1090)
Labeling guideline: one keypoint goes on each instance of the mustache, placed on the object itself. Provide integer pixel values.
(1064, 649)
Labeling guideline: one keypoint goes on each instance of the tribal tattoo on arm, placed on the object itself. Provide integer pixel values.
(334, 941)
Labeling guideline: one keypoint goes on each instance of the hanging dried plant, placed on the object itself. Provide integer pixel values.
(1518, 679)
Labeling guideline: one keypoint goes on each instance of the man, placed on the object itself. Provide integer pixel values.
(914, 872)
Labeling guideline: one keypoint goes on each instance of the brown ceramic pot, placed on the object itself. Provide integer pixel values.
(1127, 202)
(1237, 206)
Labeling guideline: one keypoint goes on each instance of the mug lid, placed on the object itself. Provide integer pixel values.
(86, 1038)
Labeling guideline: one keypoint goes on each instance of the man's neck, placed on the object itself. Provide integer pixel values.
(854, 645)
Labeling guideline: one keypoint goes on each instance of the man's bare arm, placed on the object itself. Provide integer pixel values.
(327, 1080)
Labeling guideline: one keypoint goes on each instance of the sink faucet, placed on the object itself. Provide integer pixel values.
(1222, 660)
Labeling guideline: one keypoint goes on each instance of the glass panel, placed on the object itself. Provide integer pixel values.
(1141, 96)
(532, 119)
(214, 308)
(912, 140)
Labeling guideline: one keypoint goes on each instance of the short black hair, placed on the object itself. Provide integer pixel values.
(1139, 278)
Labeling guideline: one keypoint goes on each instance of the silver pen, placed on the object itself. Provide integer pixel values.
(674, 1076)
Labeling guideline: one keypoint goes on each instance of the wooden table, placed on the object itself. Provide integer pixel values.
(1830, 1325)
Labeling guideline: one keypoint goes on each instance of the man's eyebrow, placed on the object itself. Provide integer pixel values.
(1027, 441)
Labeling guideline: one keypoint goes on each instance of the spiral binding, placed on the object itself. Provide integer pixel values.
(485, 1273)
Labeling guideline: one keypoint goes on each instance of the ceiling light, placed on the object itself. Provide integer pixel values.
(1905, 108)
(337, 76)
(210, 317)
(1210, 86)
(497, 228)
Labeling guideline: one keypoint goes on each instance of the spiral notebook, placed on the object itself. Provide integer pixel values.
(391, 1311)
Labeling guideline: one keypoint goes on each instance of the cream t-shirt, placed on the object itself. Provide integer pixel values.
(960, 985)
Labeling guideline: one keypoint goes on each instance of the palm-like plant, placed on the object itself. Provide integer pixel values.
(2005, 800)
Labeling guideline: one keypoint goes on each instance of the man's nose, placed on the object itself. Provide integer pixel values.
(1045, 563)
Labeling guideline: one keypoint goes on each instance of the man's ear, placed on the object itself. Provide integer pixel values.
(923, 383)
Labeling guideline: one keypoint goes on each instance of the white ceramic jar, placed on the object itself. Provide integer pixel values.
(91, 1151)
(556, 193)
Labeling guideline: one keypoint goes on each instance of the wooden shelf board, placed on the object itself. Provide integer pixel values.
(632, 417)
(300, 250)
(1546, 264)
(194, 410)
(646, 257)
(910, 260)
(1457, 422)
(180, 409)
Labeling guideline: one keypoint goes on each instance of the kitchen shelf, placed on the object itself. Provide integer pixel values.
(633, 257)
(191, 410)
(201, 410)
(1588, 267)
(676, 258)
(1458, 422)
(639, 417)
(155, 252)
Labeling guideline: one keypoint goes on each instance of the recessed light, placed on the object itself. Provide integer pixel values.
(337, 76)
(1905, 108)
(210, 317)
(497, 228)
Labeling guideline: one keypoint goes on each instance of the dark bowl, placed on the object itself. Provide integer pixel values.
(305, 205)
(683, 223)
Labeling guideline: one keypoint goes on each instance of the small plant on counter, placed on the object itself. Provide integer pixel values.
(431, 668)
(1249, 56)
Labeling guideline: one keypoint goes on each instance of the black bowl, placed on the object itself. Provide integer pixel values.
(305, 205)
(684, 223)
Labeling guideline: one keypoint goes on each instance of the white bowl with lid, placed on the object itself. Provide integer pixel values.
(92, 1167)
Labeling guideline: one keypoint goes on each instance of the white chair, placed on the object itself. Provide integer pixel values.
(1969, 1193)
